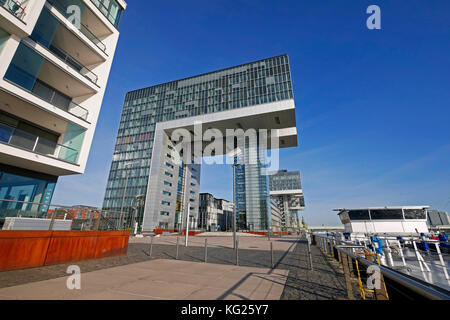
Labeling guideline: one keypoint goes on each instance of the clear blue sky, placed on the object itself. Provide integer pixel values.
(372, 106)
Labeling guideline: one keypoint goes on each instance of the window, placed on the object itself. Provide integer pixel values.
(169, 165)
(193, 184)
(166, 193)
(164, 213)
(415, 214)
(166, 183)
(192, 192)
(386, 214)
(168, 174)
(166, 203)
(359, 214)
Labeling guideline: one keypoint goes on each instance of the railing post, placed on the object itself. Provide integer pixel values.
(52, 221)
(237, 251)
(206, 250)
(271, 255)
(176, 257)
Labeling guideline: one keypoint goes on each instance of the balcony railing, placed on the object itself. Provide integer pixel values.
(83, 29)
(25, 140)
(64, 56)
(15, 7)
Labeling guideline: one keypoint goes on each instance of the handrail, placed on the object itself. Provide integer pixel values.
(83, 29)
(73, 108)
(31, 142)
(71, 61)
(424, 290)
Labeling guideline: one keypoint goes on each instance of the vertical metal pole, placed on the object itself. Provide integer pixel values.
(151, 247)
(123, 199)
(52, 221)
(206, 250)
(237, 251)
(401, 252)
(187, 227)
(235, 206)
(271, 255)
(176, 257)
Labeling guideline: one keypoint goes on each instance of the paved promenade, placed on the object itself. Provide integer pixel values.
(139, 276)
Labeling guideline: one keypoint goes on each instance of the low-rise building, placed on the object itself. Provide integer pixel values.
(214, 214)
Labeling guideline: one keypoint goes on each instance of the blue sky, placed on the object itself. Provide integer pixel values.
(372, 106)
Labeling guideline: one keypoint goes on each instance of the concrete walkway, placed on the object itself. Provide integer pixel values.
(161, 279)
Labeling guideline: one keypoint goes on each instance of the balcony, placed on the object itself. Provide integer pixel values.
(34, 74)
(37, 144)
(14, 7)
(47, 33)
(62, 9)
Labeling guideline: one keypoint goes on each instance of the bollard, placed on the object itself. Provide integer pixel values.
(206, 250)
(237, 251)
(271, 255)
(151, 247)
(308, 239)
(176, 257)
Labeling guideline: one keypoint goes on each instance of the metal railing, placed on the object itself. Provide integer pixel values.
(83, 29)
(25, 140)
(71, 61)
(400, 284)
(23, 215)
(15, 7)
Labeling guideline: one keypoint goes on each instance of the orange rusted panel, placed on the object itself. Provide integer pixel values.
(27, 249)
(23, 249)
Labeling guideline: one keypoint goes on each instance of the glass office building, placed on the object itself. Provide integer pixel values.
(258, 83)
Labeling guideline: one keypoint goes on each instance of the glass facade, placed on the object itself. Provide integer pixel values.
(110, 9)
(19, 186)
(285, 180)
(242, 86)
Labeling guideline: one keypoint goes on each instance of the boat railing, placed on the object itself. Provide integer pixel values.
(357, 260)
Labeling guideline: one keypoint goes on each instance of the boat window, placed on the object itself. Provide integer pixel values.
(415, 214)
(386, 214)
(359, 214)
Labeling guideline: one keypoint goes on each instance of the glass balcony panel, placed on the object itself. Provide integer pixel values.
(62, 5)
(23, 139)
(5, 133)
(46, 147)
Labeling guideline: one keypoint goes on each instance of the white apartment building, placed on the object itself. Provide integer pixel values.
(55, 59)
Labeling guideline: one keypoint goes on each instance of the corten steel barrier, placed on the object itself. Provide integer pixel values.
(397, 285)
(28, 249)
